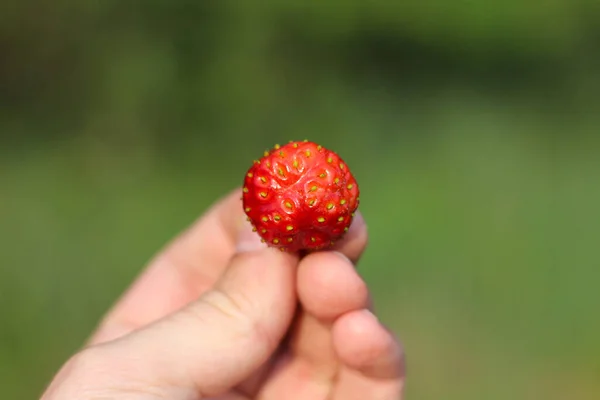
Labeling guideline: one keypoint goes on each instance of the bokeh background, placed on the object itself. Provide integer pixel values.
(472, 128)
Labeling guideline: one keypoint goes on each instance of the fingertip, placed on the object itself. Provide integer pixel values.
(364, 344)
(329, 285)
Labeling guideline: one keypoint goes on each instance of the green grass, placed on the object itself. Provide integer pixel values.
(472, 131)
(482, 241)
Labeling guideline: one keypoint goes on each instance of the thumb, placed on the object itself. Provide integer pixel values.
(217, 341)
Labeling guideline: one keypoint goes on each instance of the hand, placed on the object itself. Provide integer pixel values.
(219, 315)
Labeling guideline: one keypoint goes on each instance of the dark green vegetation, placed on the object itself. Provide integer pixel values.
(471, 127)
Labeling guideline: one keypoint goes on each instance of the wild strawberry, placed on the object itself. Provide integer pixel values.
(300, 196)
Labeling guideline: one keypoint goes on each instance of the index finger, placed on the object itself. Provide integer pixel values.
(178, 274)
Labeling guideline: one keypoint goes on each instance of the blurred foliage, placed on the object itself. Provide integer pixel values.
(472, 128)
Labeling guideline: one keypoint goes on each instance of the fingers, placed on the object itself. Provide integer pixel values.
(187, 267)
(339, 329)
(328, 286)
(364, 345)
(339, 349)
(372, 356)
(214, 342)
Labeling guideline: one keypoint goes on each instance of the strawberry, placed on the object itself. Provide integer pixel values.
(300, 196)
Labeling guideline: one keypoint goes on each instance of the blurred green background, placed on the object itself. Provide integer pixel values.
(472, 128)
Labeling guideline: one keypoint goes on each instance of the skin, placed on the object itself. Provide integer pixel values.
(219, 315)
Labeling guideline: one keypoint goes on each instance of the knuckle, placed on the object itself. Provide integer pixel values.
(243, 317)
(231, 306)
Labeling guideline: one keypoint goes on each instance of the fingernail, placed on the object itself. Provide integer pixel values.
(342, 256)
(368, 314)
(248, 240)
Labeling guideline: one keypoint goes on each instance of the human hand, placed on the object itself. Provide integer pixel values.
(219, 315)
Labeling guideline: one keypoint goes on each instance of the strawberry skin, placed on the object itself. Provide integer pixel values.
(300, 196)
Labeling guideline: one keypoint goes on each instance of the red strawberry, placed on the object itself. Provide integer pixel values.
(300, 196)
